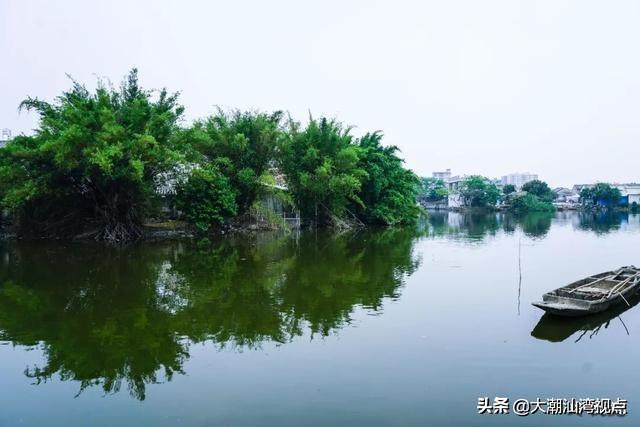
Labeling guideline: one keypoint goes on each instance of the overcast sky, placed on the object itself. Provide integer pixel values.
(488, 87)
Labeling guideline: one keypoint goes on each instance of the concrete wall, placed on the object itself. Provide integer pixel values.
(455, 200)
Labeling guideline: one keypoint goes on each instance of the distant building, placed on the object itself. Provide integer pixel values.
(518, 179)
(5, 136)
(443, 176)
(630, 192)
(454, 183)
(579, 187)
(566, 195)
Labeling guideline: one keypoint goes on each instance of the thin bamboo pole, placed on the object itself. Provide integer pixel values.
(621, 284)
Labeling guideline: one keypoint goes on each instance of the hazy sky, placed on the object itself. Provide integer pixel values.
(489, 87)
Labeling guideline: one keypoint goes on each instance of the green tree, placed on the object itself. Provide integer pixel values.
(540, 189)
(241, 144)
(433, 189)
(323, 169)
(527, 202)
(600, 194)
(93, 159)
(206, 198)
(508, 189)
(478, 191)
(389, 191)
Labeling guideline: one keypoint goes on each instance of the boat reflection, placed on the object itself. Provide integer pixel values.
(557, 329)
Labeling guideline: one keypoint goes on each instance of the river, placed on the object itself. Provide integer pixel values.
(402, 326)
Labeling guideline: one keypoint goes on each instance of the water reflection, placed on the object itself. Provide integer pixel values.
(114, 318)
(556, 329)
(535, 225)
(603, 222)
(123, 319)
(478, 226)
(94, 312)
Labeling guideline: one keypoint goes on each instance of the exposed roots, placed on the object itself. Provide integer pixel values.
(118, 233)
(344, 223)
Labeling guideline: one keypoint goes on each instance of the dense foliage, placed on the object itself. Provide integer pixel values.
(389, 191)
(433, 189)
(100, 160)
(241, 144)
(322, 165)
(528, 202)
(93, 159)
(508, 189)
(332, 175)
(478, 191)
(206, 198)
(540, 189)
(602, 194)
(536, 196)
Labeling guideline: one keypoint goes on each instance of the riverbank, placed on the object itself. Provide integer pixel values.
(169, 229)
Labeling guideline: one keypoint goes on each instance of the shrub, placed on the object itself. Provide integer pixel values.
(527, 202)
(206, 198)
(540, 189)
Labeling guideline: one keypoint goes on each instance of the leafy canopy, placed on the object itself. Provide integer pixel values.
(389, 191)
(433, 189)
(241, 144)
(93, 157)
(540, 189)
(601, 193)
(323, 169)
(100, 159)
(478, 191)
(206, 198)
(528, 202)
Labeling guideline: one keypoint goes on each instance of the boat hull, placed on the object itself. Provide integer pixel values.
(570, 310)
(593, 294)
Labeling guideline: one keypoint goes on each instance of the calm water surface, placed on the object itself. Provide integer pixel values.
(389, 327)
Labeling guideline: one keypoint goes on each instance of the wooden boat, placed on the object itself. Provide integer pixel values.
(593, 294)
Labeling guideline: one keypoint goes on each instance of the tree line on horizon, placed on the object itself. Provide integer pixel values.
(480, 192)
(96, 158)
(534, 196)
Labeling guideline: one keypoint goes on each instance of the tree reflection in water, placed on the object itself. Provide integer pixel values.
(478, 226)
(605, 221)
(112, 317)
(118, 318)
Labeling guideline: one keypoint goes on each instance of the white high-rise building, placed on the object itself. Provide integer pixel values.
(443, 176)
(518, 179)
